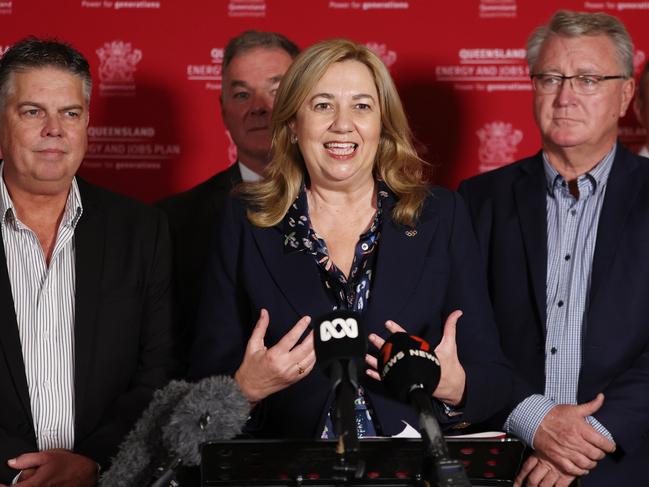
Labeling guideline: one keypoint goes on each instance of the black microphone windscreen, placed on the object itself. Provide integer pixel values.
(406, 362)
(214, 409)
(339, 335)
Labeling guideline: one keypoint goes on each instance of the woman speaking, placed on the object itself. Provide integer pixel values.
(344, 220)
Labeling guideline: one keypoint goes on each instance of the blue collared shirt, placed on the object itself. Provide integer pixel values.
(571, 236)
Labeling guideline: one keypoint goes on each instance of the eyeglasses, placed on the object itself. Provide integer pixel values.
(582, 84)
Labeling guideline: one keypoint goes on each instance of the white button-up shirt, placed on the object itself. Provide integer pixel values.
(44, 298)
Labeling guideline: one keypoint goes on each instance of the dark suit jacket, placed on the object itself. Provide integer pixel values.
(192, 217)
(508, 207)
(419, 279)
(122, 329)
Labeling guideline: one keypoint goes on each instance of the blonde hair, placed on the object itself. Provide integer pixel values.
(396, 160)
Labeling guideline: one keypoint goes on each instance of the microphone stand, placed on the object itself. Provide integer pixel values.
(345, 385)
(439, 467)
(168, 477)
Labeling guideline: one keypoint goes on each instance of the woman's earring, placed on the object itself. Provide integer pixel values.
(293, 139)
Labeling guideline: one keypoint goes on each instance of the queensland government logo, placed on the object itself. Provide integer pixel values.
(247, 8)
(118, 62)
(6, 7)
(498, 9)
(498, 144)
(388, 56)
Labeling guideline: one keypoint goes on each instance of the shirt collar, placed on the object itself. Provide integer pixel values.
(247, 174)
(296, 224)
(71, 214)
(596, 178)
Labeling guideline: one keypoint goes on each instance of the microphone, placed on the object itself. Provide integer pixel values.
(410, 372)
(132, 465)
(178, 420)
(340, 346)
(214, 409)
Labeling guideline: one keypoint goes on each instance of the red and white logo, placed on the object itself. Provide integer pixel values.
(494, 9)
(247, 8)
(210, 73)
(639, 58)
(498, 144)
(6, 7)
(118, 63)
(388, 56)
(232, 149)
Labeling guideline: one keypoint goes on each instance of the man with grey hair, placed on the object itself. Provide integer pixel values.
(641, 107)
(564, 234)
(85, 309)
(253, 65)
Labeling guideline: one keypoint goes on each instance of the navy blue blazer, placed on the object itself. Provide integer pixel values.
(508, 207)
(420, 278)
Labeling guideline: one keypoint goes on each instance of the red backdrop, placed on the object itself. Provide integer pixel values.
(155, 126)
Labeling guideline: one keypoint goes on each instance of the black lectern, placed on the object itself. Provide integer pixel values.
(387, 462)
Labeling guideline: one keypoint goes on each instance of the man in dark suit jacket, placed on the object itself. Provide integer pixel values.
(253, 65)
(85, 328)
(564, 234)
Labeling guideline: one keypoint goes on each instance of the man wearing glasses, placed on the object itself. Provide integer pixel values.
(565, 235)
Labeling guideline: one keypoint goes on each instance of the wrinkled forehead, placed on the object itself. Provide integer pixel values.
(44, 77)
(594, 54)
(46, 87)
(251, 61)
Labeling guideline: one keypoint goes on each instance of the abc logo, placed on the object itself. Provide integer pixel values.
(338, 328)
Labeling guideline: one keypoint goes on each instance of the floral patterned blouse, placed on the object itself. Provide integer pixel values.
(350, 293)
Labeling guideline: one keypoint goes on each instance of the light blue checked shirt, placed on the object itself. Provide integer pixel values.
(571, 231)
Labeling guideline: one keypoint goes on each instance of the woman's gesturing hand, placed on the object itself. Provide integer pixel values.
(265, 371)
(453, 378)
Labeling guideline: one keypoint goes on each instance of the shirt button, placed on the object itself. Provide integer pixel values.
(46, 384)
(573, 212)
(567, 257)
(559, 304)
(553, 350)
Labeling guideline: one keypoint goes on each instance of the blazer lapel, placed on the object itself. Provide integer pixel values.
(10, 338)
(295, 273)
(530, 195)
(621, 191)
(399, 266)
(89, 242)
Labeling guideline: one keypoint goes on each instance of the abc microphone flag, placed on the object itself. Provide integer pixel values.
(340, 336)
(340, 346)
